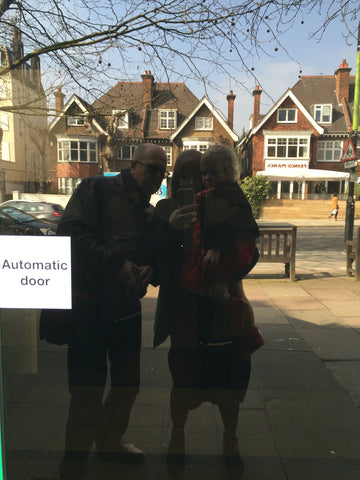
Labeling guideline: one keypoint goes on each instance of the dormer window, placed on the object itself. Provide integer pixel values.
(75, 120)
(323, 113)
(122, 118)
(203, 123)
(287, 115)
(167, 119)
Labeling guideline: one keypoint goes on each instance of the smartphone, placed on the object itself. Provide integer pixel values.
(185, 196)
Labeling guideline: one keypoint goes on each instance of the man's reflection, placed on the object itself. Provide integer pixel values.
(108, 222)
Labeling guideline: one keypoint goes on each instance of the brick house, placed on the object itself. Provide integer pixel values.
(299, 142)
(73, 143)
(100, 138)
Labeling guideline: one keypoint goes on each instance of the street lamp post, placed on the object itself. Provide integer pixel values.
(350, 206)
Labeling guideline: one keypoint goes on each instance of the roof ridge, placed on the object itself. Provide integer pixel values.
(322, 76)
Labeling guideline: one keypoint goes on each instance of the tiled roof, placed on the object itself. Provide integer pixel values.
(315, 90)
(128, 96)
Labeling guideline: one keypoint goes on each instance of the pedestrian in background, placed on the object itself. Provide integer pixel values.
(334, 207)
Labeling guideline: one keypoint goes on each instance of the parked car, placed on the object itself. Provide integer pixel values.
(41, 210)
(17, 222)
(8, 226)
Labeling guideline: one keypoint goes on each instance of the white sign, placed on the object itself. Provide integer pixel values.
(160, 194)
(286, 164)
(35, 272)
(350, 163)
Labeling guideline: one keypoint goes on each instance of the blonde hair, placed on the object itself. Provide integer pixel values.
(221, 159)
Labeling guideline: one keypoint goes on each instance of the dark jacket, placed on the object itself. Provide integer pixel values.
(225, 217)
(108, 221)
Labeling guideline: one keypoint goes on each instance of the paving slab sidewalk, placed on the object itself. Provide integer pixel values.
(300, 418)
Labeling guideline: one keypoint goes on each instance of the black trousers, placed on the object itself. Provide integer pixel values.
(96, 346)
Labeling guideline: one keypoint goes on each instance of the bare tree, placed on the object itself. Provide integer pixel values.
(95, 42)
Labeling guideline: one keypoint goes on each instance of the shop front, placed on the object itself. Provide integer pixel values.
(294, 179)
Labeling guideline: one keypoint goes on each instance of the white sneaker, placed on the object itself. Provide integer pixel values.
(123, 451)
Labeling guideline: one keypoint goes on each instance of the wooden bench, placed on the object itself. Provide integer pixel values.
(278, 245)
(353, 257)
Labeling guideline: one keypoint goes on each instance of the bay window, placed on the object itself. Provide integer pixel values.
(77, 151)
(68, 185)
(287, 147)
(202, 147)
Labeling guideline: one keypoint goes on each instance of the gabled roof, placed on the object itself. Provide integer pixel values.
(300, 106)
(85, 108)
(320, 90)
(128, 97)
(209, 105)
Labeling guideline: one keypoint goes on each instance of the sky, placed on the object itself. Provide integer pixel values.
(277, 73)
(274, 73)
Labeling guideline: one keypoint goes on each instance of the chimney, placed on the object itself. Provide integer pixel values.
(35, 67)
(256, 114)
(17, 45)
(59, 100)
(148, 82)
(342, 77)
(230, 98)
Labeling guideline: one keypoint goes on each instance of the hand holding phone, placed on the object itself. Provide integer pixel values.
(185, 196)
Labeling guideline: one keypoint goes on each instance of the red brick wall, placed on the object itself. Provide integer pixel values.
(271, 124)
(76, 170)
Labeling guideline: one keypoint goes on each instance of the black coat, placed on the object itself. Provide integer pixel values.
(108, 221)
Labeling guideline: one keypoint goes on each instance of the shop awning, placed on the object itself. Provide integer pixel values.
(301, 175)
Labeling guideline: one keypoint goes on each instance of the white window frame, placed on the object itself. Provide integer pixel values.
(204, 123)
(75, 120)
(4, 122)
(120, 152)
(168, 151)
(67, 185)
(334, 147)
(5, 151)
(122, 119)
(65, 146)
(196, 145)
(287, 142)
(320, 109)
(167, 119)
(286, 110)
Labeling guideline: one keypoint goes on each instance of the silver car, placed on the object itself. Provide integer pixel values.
(41, 210)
